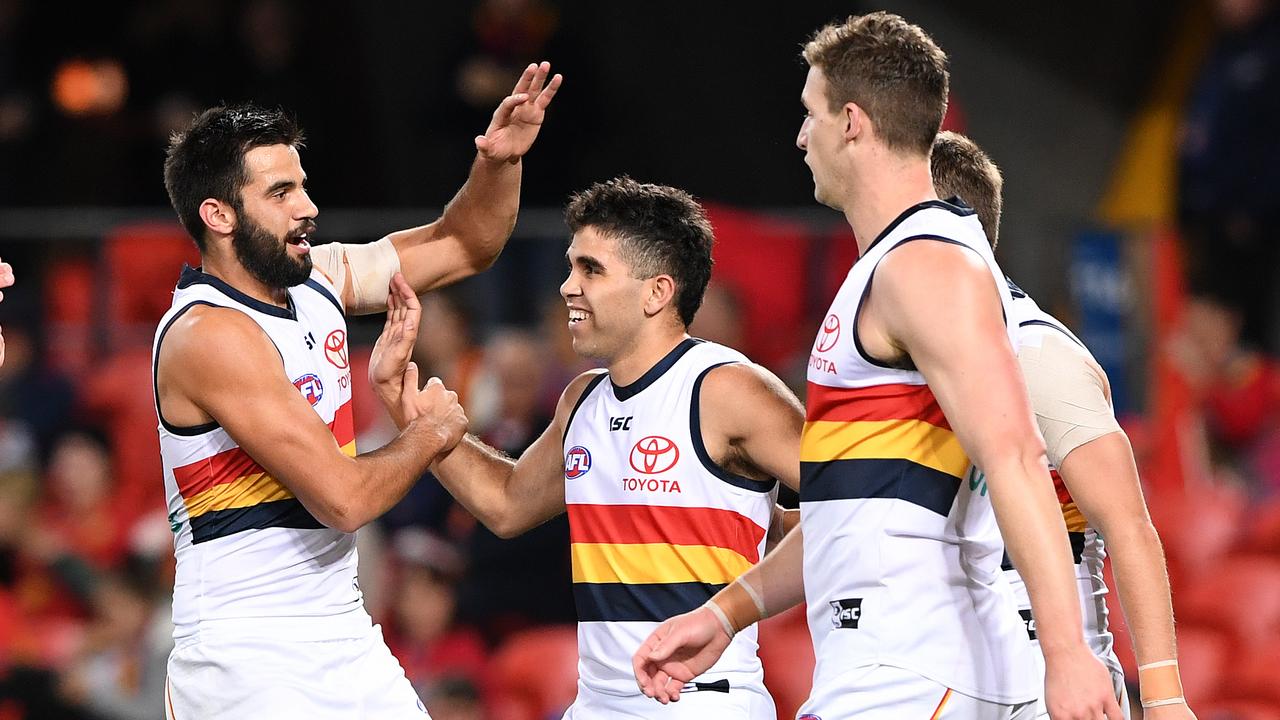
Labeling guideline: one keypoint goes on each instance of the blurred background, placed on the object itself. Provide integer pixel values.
(1141, 152)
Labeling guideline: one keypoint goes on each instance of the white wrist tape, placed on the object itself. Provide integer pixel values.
(1161, 703)
(755, 596)
(724, 619)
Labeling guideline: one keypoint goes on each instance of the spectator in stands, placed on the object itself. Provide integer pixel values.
(421, 631)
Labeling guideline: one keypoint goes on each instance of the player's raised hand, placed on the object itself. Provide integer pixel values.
(394, 347)
(519, 116)
(6, 279)
(1077, 686)
(678, 651)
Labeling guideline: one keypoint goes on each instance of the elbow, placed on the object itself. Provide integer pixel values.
(505, 527)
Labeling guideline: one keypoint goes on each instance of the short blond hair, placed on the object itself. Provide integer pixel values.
(891, 69)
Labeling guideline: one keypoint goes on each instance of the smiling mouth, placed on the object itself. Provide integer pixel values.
(301, 240)
(576, 316)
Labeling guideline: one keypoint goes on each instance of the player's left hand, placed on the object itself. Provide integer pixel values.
(1078, 687)
(676, 652)
(394, 347)
(519, 116)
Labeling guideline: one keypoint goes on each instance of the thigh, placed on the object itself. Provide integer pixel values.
(385, 691)
(251, 679)
(883, 692)
(707, 705)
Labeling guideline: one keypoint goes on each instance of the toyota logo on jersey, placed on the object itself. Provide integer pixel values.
(576, 462)
(654, 454)
(829, 335)
(335, 349)
(310, 387)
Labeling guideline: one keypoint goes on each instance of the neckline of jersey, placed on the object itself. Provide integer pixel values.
(196, 276)
(626, 392)
(954, 204)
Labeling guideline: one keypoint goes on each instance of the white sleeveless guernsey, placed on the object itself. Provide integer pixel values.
(656, 526)
(901, 548)
(250, 558)
(1087, 548)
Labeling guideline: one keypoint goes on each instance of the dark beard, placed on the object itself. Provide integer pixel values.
(266, 257)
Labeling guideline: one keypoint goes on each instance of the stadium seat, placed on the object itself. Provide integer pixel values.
(1241, 597)
(1203, 653)
(534, 674)
(1253, 675)
(786, 651)
(1263, 535)
(1238, 710)
(142, 262)
(1197, 529)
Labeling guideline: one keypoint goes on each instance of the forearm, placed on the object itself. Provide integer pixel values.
(471, 232)
(382, 477)
(1137, 560)
(1035, 535)
(479, 477)
(777, 582)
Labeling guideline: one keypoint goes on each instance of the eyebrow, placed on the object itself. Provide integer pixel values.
(585, 260)
(284, 185)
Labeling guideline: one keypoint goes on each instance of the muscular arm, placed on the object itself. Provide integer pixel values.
(938, 303)
(512, 497)
(751, 423)
(1103, 481)
(217, 364)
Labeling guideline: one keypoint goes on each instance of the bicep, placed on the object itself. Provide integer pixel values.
(538, 478)
(430, 258)
(278, 429)
(1103, 481)
(1069, 394)
(946, 313)
(761, 417)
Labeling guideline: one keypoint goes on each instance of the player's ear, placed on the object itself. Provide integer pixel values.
(218, 216)
(854, 119)
(662, 292)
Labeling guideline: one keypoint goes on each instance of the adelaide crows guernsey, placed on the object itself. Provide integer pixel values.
(250, 558)
(1040, 331)
(901, 548)
(656, 527)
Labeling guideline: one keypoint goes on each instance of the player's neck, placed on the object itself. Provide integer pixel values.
(881, 193)
(630, 366)
(230, 271)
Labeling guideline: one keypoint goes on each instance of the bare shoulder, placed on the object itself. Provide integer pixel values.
(743, 390)
(922, 265)
(209, 341)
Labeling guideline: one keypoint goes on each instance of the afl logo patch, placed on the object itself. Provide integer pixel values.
(310, 387)
(335, 349)
(808, 716)
(576, 462)
(829, 335)
(654, 454)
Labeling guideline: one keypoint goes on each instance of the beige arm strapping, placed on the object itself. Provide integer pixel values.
(1068, 392)
(371, 267)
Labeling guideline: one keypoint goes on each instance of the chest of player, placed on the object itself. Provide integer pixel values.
(313, 346)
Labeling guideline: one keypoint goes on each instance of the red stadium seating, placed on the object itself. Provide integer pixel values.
(1203, 655)
(534, 674)
(1254, 675)
(786, 651)
(1238, 710)
(1242, 598)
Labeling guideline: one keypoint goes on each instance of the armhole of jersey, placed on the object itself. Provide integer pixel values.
(311, 283)
(155, 375)
(192, 430)
(857, 313)
(1069, 335)
(700, 448)
(591, 386)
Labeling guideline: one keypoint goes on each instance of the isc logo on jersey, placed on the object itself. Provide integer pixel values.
(310, 387)
(577, 462)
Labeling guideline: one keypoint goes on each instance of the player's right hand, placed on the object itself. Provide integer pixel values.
(394, 347)
(435, 405)
(1077, 686)
(678, 651)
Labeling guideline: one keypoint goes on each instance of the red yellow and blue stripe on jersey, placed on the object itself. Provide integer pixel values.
(229, 492)
(648, 563)
(883, 441)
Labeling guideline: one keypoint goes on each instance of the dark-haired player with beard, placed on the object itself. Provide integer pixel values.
(253, 391)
